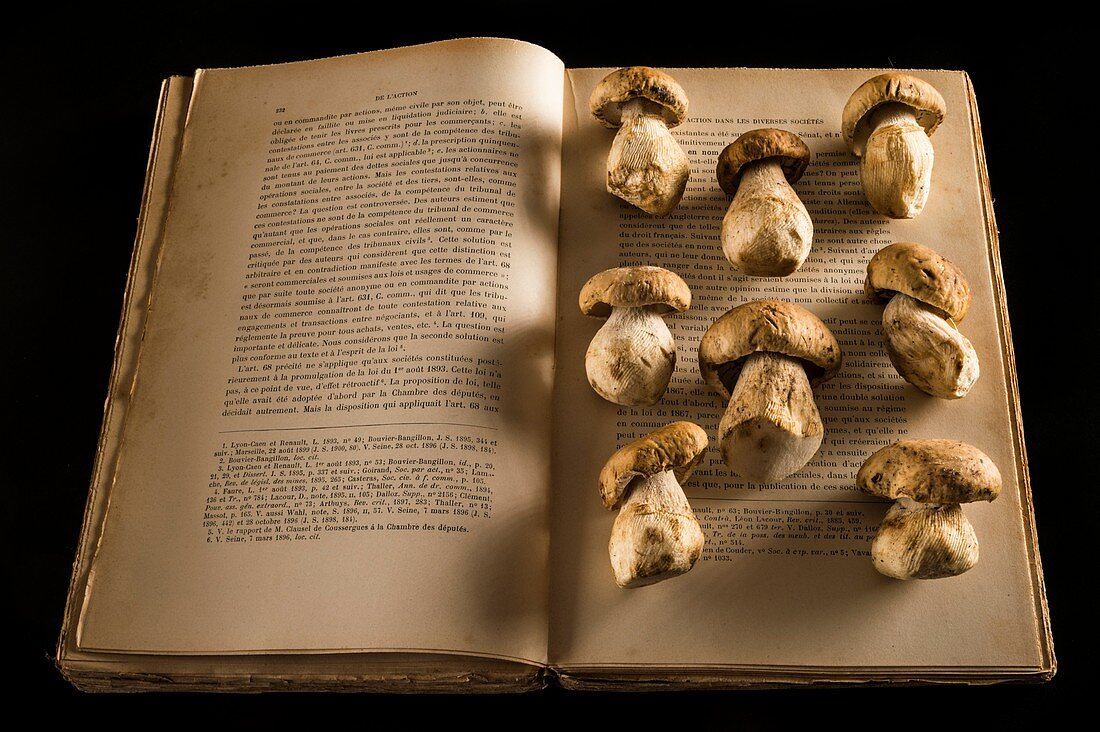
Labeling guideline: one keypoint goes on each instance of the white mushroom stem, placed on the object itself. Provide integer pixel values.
(656, 535)
(631, 358)
(767, 231)
(924, 541)
(646, 166)
(772, 427)
(927, 349)
(897, 162)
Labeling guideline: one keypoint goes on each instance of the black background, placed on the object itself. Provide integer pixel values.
(79, 95)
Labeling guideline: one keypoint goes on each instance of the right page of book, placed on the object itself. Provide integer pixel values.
(786, 579)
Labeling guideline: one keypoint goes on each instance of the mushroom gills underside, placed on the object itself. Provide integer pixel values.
(771, 427)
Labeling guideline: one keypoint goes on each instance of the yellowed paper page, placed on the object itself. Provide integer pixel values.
(339, 434)
(785, 579)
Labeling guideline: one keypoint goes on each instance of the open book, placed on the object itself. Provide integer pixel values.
(349, 441)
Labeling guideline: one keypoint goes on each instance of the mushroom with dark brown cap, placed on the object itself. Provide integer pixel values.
(646, 167)
(656, 536)
(925, 534)
(767, 231)
(887, 122)
(928, 296)
(764, 356)
(631, 358)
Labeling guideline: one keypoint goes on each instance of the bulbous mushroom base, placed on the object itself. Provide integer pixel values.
(631, 358)
(924, 541)
(646, 166)
(771, 427)
(656, 536)
(767, 231)
(927, 350)
(896, 169)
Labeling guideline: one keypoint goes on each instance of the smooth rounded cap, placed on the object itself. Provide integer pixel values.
(891, 88)
(677, 446)
(922, 274)
(638, 82)
(931, 471)
(773, 326)
(792, 153)
(634, 287)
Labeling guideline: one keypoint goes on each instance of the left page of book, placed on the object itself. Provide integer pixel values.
(338, 436)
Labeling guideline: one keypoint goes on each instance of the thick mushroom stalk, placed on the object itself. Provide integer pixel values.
(767, 231)
(656, 535)
(925, 535)
(771, 427)
(631, 358)
(927, 349)
(757, 356)
(924, 541)
(896, 169)
(646, 166)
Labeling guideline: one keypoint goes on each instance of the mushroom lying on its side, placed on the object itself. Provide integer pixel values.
(767, 231)
(656, 535)
(764, 356)
(631, 358)
(925, 534)
(928, 296)
(646, 166)
(887, 122)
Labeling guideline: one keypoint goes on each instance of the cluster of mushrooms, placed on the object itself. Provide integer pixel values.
(765, 357)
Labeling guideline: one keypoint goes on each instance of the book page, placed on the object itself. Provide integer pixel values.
(338, 438)
(786, 578)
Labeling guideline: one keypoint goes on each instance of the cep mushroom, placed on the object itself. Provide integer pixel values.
(646, 166)
(767, 231)
(764, 356)
(928, 296)
(656, 536)
(887, 122)
(631, 358)
(925, 534)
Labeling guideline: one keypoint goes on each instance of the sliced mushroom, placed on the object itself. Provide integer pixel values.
(631, 358)
(646, 166)
(656, 535)
(887, 122)
(764, 356)
(927, 296)
(925, 534)
(767, 231)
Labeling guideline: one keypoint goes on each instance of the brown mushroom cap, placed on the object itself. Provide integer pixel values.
(774, 326)
(921, 273)
(931, 471)
(619, 87)
(755, 145)
(891, 88)
(677, 446)
(633, 287)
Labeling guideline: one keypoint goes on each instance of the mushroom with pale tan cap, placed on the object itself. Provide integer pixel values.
(928, 296)
(925, 534)
(631, 358)
(887, 122)
(767, 231)
(656, 536)
(764, 356)
(646, 167)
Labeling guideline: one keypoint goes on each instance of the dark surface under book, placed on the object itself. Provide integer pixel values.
(125, 124)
